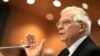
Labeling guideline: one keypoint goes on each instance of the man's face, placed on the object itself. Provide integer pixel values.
(68, 29)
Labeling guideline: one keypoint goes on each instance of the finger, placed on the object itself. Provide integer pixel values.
(42, 43)
(30, 39)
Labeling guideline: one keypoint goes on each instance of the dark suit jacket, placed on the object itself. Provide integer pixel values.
(86, 48)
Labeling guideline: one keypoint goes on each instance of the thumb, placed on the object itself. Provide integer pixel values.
(42, 43)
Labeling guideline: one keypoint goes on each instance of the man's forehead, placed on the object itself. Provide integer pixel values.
(65, 19)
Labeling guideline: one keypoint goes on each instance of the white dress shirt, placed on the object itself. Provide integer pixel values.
(74, 46)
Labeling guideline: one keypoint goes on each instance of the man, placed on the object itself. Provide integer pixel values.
(74, 28)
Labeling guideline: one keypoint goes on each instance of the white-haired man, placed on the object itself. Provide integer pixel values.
(74, 28)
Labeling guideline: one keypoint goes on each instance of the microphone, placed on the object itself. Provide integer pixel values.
(10, 47)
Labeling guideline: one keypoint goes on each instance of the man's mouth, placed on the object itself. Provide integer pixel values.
(61, 33)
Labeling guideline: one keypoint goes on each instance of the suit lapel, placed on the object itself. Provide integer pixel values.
(81, 47)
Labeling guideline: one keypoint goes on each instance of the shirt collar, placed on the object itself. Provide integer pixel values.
(73, 47)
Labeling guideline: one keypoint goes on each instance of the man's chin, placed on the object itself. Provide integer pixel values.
(63, 40)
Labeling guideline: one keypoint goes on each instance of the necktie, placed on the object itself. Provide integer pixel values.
(64, 52)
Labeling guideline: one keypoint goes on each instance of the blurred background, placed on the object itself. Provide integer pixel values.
(19, 17)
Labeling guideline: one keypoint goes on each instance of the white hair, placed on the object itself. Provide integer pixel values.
(81, 16)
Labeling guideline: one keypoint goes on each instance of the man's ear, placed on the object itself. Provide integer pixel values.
(82, 27)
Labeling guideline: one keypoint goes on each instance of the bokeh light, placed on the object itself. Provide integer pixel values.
(85, 5)
(56, 3)
(30, 1)
(49, 16)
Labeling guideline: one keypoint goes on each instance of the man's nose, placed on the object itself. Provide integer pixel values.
(60, 26)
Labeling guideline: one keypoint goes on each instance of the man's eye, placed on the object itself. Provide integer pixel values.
(66, 22)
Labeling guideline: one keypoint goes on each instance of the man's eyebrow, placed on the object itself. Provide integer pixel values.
(66, 20)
